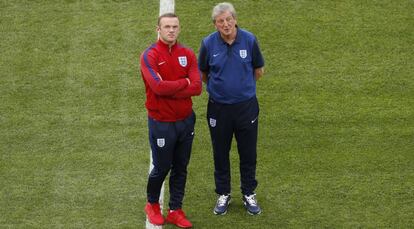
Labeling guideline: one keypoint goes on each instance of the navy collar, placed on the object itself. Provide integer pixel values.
(236, 40)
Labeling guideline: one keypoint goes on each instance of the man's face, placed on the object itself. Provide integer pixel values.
(225, 23)
(168, 29)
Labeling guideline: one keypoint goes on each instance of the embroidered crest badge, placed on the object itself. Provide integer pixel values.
(243, 53)
(182, 60)
(212, 122)
(161, 142)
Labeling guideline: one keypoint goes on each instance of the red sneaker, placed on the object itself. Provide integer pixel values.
(178, 218)
(154, 213)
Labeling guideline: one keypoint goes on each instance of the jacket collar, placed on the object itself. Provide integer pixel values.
(166, 46)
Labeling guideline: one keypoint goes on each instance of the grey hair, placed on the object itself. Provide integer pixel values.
(221, 8)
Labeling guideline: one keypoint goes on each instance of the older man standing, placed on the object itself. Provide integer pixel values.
(231, 61)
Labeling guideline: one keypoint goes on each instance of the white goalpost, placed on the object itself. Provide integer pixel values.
(166, 6)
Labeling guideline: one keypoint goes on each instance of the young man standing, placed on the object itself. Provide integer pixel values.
(231, 62)
(171, 77)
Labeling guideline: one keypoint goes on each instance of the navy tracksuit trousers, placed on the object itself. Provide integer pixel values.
(171, 149)
(240, 119)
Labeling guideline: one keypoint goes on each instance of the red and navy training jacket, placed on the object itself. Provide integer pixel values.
(164, 71)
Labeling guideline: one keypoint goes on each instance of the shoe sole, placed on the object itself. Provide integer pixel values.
(156, 224)
(254, 213)
(178, 225)
(217, 213)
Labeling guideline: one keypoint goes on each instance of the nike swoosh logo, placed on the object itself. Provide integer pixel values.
(254, 120)
(214, 55)
(161, 63)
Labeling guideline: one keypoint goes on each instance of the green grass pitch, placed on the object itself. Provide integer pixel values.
(336, 131)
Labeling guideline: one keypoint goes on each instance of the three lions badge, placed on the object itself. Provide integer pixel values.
(182, 60)
(161, 142)
(243, 53)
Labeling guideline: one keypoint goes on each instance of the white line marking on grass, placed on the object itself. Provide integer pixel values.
(148, 225)
(166, 6)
